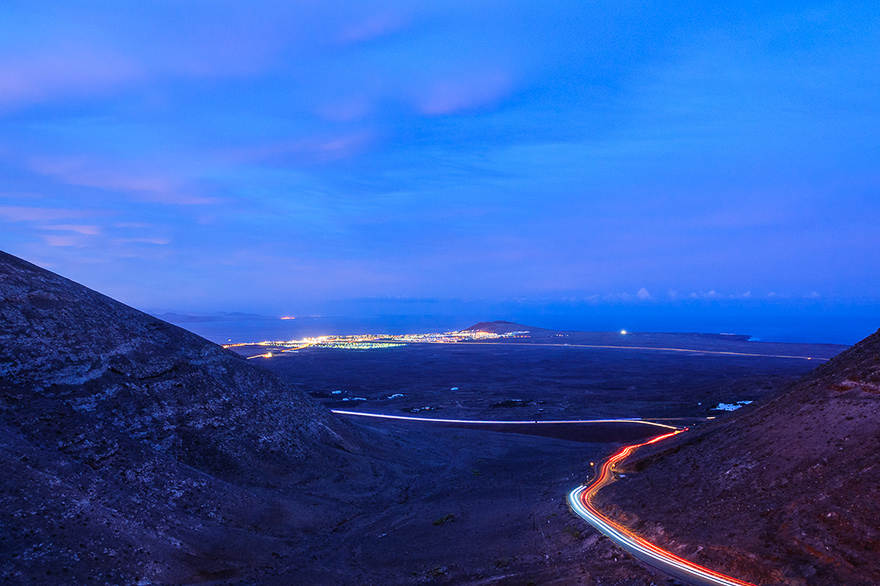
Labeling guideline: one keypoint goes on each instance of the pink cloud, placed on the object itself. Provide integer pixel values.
(77, 241)
(151, 187)
(79, 171)
(130, 225)
(85, 230)
(453, 95)
(313, 149)
(346, 110)
(35, 214)
(92, 62)
(372, 27)
(157, 241)
(71, 71)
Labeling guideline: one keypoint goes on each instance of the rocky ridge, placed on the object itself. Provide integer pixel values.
(783, 491)
(137, 452)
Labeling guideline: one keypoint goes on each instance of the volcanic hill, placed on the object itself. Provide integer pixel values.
(136, 452)
(784, 491)
(502, 327)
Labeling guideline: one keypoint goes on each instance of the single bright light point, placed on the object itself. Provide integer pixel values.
(623, 332)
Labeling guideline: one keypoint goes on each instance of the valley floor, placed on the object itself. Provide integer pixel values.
(477, 507)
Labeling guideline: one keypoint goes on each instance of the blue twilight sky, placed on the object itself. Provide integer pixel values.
(337, 157)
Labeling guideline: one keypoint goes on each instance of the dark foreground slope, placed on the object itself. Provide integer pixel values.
(782, 492)
(135, 451)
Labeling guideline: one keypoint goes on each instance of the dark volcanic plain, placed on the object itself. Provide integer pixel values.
(138, 453)
(550, 375)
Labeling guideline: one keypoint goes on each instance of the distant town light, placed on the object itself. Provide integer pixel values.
(623, 332)
(369, 341)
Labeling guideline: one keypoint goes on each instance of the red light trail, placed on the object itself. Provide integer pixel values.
(580, 500)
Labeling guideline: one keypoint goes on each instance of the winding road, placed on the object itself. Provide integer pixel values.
(580, 501)
(484, 422)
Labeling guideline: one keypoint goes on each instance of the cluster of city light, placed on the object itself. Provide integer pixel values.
(358, 345)
(461, 336)
(373, 341)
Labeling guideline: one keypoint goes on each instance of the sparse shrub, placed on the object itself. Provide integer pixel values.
(444, 519)
(512, 403)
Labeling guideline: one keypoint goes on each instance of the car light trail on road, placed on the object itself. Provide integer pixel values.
(494, 422)
(581, 502)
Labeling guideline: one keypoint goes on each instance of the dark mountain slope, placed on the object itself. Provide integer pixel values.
(134, 450)
(785, 491)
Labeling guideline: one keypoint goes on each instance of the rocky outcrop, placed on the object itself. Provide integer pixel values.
(134, 451)
(781, 492)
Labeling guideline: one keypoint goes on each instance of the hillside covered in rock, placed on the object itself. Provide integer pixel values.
(784, 491)
(136, 452)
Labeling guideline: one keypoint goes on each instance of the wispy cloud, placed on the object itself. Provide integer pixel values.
(318, 148)
(712, 294)
(347, 109)
(152, 185)
(639, 296)
(85, 230)
(372, 27)
(445, 96)
(67, 241)
(40, 214)
(63, 72)
(156, 241)
(130, 225)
